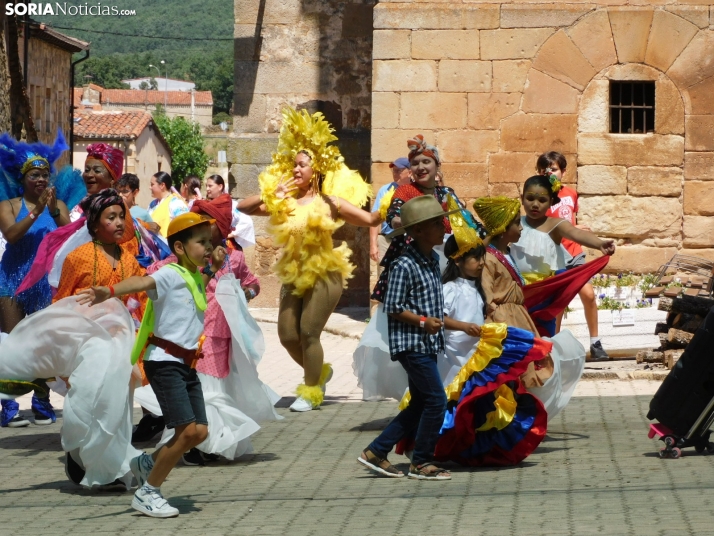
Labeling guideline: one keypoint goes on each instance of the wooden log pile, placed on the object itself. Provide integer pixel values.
(685, 313)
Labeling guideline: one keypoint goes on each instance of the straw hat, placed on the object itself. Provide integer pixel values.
(418, 210)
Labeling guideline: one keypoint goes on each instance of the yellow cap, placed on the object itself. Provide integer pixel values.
(184, 221)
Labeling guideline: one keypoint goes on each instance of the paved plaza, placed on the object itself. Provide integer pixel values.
(595, 473)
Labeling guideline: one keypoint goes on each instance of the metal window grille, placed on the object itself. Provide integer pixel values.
(632, 107)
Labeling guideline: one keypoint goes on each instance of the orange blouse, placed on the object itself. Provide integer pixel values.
(87, 266)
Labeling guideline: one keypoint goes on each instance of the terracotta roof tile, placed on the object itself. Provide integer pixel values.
(109, 124)
(141, 96)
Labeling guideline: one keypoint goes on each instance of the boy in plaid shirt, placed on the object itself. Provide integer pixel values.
(414, 302)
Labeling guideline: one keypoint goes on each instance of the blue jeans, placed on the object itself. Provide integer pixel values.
(425, 413)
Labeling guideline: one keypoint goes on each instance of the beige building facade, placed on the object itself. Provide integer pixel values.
(495, 84)
(622, 88)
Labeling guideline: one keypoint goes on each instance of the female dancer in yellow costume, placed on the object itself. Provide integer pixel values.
(309, 192)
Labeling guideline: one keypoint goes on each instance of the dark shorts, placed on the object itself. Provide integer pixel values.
(178, 390)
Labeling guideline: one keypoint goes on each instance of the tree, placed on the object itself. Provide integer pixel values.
(5, 117)
(186, 143)
(144, 85)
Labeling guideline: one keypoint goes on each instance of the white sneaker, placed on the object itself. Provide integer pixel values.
(152, 504)
(301, 405)
(141, 466)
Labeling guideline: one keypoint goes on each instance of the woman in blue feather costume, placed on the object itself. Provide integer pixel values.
(33, 202)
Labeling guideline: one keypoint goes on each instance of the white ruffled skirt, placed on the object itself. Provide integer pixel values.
(91, 346)
(380, 377)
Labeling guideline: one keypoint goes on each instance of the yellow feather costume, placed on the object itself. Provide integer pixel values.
(304, 232)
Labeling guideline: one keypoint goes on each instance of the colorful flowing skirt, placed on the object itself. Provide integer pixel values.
(490, 418)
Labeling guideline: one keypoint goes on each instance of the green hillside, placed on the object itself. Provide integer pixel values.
(193, 37)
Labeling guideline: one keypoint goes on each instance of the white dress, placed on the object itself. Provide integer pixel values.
(91, 346)
(236, 404)
(536, 253)
(462, 302)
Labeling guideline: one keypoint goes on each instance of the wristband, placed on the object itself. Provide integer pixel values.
(111, 291)
(206, 270)
(55, 214)
(252, 293)
(32, 216)
(422, 322)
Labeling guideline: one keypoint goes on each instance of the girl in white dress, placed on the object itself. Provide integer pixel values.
(539, 254)
(463, 306)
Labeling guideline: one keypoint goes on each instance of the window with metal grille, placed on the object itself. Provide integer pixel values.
(632, 107)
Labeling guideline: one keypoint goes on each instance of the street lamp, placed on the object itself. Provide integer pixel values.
(166, 85)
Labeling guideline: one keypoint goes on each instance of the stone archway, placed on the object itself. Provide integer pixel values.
(648, 191)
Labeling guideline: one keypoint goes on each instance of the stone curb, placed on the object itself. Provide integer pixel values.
(653, 375)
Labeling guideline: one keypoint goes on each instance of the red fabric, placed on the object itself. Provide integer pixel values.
(112, 157)
(410, 191)
(546, 299)
(220, 209)
(49, 247)
(567, 209)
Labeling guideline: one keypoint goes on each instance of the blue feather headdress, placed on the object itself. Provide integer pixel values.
(17, 158)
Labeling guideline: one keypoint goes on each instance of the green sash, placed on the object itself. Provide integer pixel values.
(194, 281)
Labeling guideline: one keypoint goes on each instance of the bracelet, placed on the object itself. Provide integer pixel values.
(422, 322)
(252, 293)
(55, 214)
(111, 291)
(32, 216)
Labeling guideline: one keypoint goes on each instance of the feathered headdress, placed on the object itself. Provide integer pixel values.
(496, 212)
(18, 157)
(312, 134)
(465, 232)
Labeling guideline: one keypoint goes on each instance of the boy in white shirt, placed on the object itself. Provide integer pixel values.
(174, 317)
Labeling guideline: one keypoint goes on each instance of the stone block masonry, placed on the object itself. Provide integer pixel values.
(494, 83)
(535, 76)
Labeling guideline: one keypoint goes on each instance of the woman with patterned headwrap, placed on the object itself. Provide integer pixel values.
(32, 204)
(425, 165)
(305, 210)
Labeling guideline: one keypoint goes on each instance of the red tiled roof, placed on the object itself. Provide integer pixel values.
(109, 124)
(142, 96)
(77, 94)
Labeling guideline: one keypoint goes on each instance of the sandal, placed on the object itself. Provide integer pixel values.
(379, 465)
(428, 471)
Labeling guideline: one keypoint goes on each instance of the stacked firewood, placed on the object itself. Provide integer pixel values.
(686, 310)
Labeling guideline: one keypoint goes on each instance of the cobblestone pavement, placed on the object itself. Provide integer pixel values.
(596, 473)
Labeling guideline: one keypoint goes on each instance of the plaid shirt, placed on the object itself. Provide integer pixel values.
(414, 285)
